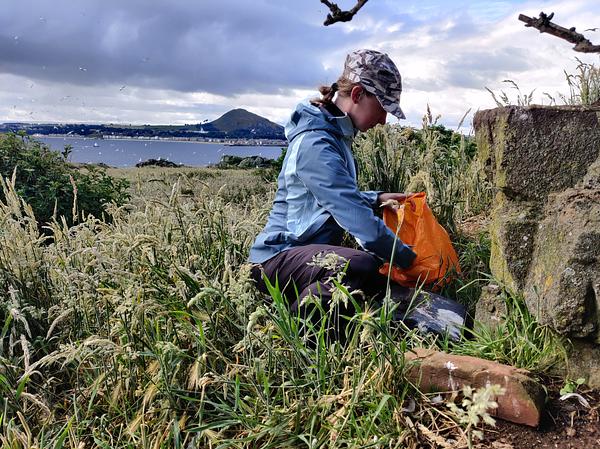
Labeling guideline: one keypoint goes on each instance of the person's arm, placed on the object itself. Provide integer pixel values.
(324, 173)
(372, 197)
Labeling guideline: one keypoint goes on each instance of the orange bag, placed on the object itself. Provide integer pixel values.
(416, 226)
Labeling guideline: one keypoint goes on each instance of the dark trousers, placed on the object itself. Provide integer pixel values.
(297, 277)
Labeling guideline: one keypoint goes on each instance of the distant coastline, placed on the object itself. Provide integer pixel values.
(225, 142)
(237, 127)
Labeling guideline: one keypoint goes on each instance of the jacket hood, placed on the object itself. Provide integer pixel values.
(308, 117)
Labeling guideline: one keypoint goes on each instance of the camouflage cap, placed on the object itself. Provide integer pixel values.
(378, 74)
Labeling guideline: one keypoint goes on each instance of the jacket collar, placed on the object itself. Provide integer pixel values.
(343, 122)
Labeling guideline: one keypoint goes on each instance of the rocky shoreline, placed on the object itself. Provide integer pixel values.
(227, 161)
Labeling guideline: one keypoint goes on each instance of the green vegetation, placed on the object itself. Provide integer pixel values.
(571, 386)
(144, 331)
(53, 187)
(518, 340)
(503, 99)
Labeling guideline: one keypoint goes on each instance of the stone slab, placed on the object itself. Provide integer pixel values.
(512, 232)
(522, 403)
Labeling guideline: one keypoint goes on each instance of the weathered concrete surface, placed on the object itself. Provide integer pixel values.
(583, 362)
(533, 151)
(491, 307)
(563, 285)
(529, 153)
(437, 371)
(512, 231)
(545, 229)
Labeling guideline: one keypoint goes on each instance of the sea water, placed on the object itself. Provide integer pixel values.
(128, 152)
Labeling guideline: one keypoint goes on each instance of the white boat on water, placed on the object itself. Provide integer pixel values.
(96, 144)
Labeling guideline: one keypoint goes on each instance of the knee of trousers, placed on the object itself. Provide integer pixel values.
(363, 265)
(363, 268)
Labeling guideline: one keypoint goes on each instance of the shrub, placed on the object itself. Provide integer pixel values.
(272, 173)
(52, 186)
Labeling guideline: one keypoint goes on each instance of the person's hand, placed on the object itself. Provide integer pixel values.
(393, 200)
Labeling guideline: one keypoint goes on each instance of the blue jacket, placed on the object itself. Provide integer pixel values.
(317, 194)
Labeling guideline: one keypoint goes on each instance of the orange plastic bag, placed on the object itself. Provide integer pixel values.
(416, 226)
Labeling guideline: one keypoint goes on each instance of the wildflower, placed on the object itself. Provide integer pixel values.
(241, 289)
(168, 349)
(57, 320)
(475, 406)
(366, 333)
(203, 294)
(366, 319)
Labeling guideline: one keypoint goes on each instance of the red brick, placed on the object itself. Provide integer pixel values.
(437, 371)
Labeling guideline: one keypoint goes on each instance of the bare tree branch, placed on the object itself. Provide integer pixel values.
(337, 15)
(544, 25)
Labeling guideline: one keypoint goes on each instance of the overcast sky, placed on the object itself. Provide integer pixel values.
(186, 61)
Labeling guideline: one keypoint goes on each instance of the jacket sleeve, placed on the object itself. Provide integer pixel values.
(325, 174)
(371, 197)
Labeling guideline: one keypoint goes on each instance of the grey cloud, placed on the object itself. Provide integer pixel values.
(227, 47)
(55, 102)
(476, 69)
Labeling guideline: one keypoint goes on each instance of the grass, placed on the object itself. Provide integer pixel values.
(517, 340)
(503, 99)
(583, 89)
(584, 85)
(146, 332)
(433, 159)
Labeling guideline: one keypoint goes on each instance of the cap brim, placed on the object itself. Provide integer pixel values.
(394, 109)
(390, 107)
(397, 112)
